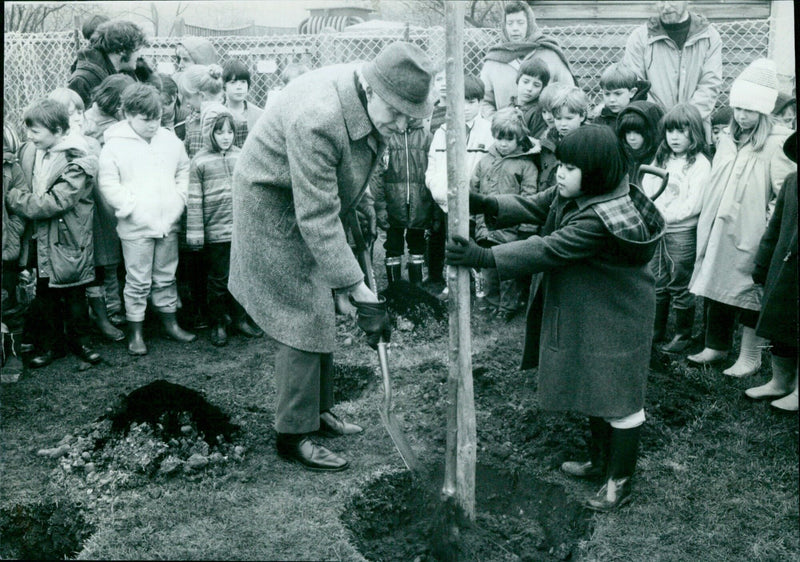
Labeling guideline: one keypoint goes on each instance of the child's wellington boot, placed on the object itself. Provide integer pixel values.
(684, 320)
(109, 331)
(622, 453)
(595, 467)
(173, 330)
(415, 262)
(136, 345)
(749, 359)
(782, 382)
(394, 270)
(788, 403)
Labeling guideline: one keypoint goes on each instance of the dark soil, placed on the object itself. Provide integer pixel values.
(42, 531)
(519, 517)
(351, 381)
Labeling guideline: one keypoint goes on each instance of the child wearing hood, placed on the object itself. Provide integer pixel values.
(747, 173)
(637, 129)
(590, 321)
(508, 168)
(57, 196)
(209, 219)
(522, 38)
(144, 178)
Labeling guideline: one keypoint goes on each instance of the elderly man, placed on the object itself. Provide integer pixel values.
(301, 173)
(114, 47)
(680, 54)
(523, 39)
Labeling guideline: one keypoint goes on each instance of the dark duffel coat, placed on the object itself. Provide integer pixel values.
(304, 165)
(590, 325)
(776, 268)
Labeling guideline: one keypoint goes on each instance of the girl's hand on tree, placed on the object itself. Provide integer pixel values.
(466, 253)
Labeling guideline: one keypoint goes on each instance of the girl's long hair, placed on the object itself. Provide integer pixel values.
(757, 135)
(683, 116)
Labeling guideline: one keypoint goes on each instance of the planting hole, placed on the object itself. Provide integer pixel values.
(397, 517)
(351, 381)
(45, 531)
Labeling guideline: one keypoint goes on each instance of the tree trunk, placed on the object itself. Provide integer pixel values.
(459, 481)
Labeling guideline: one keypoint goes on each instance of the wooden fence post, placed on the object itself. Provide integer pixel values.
(459, 479)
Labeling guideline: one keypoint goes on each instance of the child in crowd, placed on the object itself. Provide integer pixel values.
(533, 76)
(479, 139)
(776, 270)
(508, 168)
(57, 195)
(748, 171)
(682, 154)
(620, 87)
(440, 105)
(170, 115)
(236, 77)
(144, 177)
(13, 224)
(720, 120)
(550, 92)
(786, 110)
(209, 220)
(199, 85)
(568, 106)
(106, 104)
(403, 205)
(637, 129)
(590, 323)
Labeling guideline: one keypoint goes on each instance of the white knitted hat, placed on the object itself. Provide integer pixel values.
(756, 88)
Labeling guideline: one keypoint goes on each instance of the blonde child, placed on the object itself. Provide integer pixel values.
(682, 154)
(746, 175)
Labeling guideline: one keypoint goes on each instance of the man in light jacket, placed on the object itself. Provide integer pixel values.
(302, 172)
(680, 54)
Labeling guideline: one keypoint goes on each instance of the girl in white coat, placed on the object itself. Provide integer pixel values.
(746, 175)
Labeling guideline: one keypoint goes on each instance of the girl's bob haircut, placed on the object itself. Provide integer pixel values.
(596, 150)
(682, 117)
(108, 94)
(508, 123)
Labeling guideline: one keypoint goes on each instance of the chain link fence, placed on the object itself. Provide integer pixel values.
(35, 64)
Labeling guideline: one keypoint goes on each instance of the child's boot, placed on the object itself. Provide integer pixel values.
(749, 359)
(707, 356)
(789, 402)
(170, 323)
(415, 262)
(219, 336)
(136, 345)
(684, 320)
(784, 369)
(394, 269)
(660, 324)
(109, 331)
(595, 467)
(622, 453)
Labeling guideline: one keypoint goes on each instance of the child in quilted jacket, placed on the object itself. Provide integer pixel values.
(209, 220)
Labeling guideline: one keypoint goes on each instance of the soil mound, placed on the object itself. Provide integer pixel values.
(414, 303)
(518, 517)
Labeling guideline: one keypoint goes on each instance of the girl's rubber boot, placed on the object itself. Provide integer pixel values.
(109, 331)
(787, 403)
(174, 331)
(595, 467)
(394, 270)
(784, 371)
(749, 360)
(136, 345)
(684, 321)
(660, 323)
(622, 452)
(415, 262)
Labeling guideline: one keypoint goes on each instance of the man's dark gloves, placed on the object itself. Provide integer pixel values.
(467, 253)
(374, 320)
(368, 221)
(485, 205)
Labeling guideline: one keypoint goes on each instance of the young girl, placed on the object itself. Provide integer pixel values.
(637, 129)
(236, 77)
(589, 324)
(681, 153)
(209, 219)
(507, 168)
(748, 170)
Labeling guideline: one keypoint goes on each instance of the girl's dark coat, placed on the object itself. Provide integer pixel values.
(590, 323)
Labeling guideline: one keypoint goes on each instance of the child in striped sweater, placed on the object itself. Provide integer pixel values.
(209, 219)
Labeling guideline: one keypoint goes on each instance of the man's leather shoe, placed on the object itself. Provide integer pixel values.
(310, 455)
(247, 329)
(219, 337)
(88, 354)
(332, 426)
(45, 359)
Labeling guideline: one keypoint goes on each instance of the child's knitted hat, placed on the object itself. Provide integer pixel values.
(756, 88)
